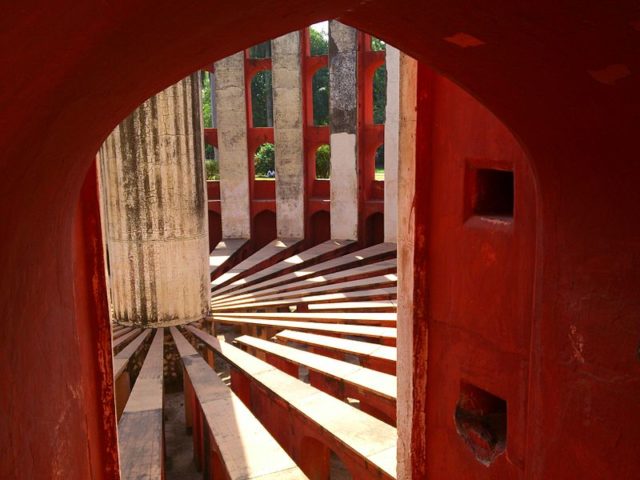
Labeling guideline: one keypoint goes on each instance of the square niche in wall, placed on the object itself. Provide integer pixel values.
(489, 193)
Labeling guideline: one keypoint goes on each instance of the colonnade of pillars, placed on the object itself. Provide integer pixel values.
(153, 181)
(346, 184)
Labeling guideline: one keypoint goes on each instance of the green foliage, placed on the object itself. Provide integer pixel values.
(320, 88)
(323, 162)
(265, 160)
(212, 167)
(211, 164)
(319, 45)
(206, 99)
(379, 94)
(261, 99)
(378, 45)
(318, 42)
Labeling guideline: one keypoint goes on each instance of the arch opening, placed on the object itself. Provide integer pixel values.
(321, 462)
(264, 160)
(374, 223)
(320, 227)
(319, 39)
(264, 228)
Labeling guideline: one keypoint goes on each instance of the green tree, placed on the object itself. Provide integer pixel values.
(265, 159)
(319, 45)
(205, 78)
(209, 151)
(379, 94)
(211, 164)
(212, 167)
(320, 88)
(377, 44)
(323, 162)
(318, 42)
(261, 99)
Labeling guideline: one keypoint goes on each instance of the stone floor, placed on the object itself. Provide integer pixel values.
(179, 464)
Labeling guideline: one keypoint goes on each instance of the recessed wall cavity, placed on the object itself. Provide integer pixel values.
(490, 192)
(481, 422)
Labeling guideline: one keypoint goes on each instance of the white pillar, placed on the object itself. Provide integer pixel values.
(155, 211)
(288, 135)
(343, 113)
(391, 145)
(231, 116)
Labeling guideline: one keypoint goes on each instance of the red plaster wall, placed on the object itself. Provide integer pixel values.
(320, 227)
(374, 229)
(215, 229)
(57, 409)
(480, 281)
(563, 77)
(264, 228)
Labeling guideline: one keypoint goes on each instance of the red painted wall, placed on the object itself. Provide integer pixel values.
(481, 283)
(320, 227)
(264, 228)
(563, 78)
(215, 228)
(57, 409)
(374, 229)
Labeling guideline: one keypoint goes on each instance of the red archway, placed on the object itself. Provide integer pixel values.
(72, 72)
(264, 228)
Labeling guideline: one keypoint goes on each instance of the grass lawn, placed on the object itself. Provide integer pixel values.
(379, 174)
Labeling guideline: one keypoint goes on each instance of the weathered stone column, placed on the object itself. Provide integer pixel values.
(231, 119)
(288, 135)
(391, 147)
(155, 205)
(343, 114)
(406, 147)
